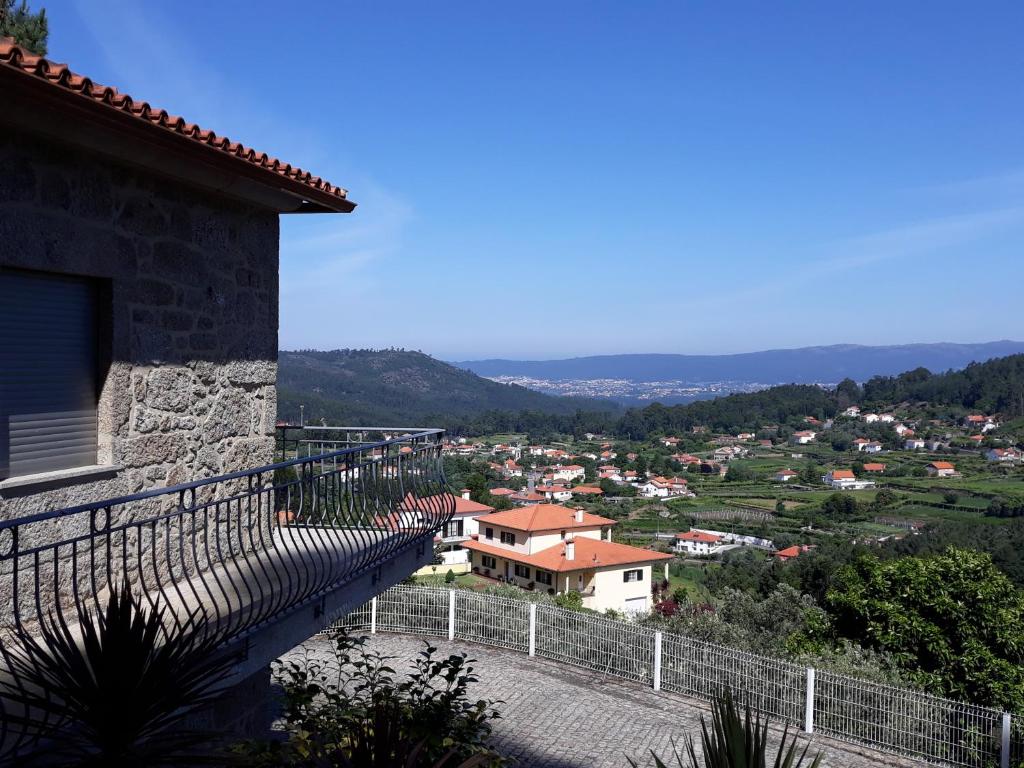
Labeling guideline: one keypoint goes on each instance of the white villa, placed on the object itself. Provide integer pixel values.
(553, 548)
(941, 469)
(663, 488)
(698, 543)
(804, 437)
(784, 475)
(845, 480)
(569, 472)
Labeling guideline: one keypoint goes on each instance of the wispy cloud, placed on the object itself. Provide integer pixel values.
(912, 241)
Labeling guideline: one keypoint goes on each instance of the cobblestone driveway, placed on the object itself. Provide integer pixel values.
(556, 716)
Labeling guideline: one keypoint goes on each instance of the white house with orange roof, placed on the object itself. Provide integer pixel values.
(459, 529)
(568, 473)
(784, 475)
(511, 469)
(698, 543)
(845, 480)
(941, 469)
(804, 436)
(1008, 455)
(663, 488)
(554, 492)
(556, 549)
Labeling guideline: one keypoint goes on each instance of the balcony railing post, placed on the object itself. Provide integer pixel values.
(373, 616)
(533, 629)
(809, 703)
(451, 614)
(1004, 742)
(657, 661)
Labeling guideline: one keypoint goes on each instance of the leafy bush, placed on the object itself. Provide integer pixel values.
(449, 578)
(115, 689)
(353, 709)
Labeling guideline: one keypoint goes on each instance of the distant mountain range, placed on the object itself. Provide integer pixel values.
(362, 386)
(805, 365)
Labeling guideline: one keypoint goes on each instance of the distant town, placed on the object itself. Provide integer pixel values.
(630, 391)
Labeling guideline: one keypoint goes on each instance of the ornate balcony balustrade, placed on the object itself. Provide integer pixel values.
(240, 551)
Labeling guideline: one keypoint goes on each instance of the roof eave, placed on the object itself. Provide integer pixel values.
(38, 106)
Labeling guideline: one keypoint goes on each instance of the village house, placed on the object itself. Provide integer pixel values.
(568, 473)
(554, 492)
(845, 480)
(903, 430)
(698, 543)
(803, 437)
(873, 467)
(785, 475)
(661, 487)
(670, 442)
(463, 524)
(1008, 455)
(853, 411)
(790, 552)
(860, 442)
(913, 444)
(552, 548)
(870, 418)
(873, 447)
(509, 468)
(941, 469)
(887, 418)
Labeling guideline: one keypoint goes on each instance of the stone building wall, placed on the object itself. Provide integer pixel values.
(189, 315)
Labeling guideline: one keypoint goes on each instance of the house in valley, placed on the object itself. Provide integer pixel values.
(785, 475)
(698, 543)
(845, 480)
(556, 549)
(941, 469)
(803, 437)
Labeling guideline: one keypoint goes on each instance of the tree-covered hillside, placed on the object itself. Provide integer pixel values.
(996, 386)
(362, 386)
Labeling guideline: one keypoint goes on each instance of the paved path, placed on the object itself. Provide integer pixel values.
(557, 716)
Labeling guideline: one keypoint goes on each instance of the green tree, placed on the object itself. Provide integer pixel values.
(29, 30)
(953, 621)
(840, 506)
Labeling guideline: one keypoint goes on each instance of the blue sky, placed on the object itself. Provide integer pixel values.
(552, 179)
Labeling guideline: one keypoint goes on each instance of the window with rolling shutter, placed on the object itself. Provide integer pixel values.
(48, 369)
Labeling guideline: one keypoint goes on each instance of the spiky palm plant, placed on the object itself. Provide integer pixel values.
(736, 741)
(115, 688)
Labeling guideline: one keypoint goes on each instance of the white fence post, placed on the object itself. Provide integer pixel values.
(533, 629)
(1004, 742)
(809, 706)
(657, 661)
(451, 614)
(373, 616)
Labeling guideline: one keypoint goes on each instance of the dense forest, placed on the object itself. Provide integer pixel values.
(993, 387)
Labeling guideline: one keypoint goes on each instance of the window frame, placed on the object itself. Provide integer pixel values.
(639, 576)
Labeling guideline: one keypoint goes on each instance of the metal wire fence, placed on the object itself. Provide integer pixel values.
(884, 717)
(705, 670)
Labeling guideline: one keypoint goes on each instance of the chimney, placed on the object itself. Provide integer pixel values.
(570, 549)
(579, 515)
(465, 493)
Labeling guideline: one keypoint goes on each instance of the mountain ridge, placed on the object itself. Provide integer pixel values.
(358, 385)
(805, 365)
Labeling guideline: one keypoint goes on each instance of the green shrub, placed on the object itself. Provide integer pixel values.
(354, 709)
(449, 578)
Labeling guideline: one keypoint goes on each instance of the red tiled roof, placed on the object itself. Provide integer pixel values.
(462, 506)
(502, 492)
(45, 74)
(589, 553)
(941, 465)
(544, 517)
(842, 474)
(706, 538)
(874, 467)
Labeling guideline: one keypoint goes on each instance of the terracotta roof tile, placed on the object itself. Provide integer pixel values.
(589, 553)
(13, 57)
(544, 517)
